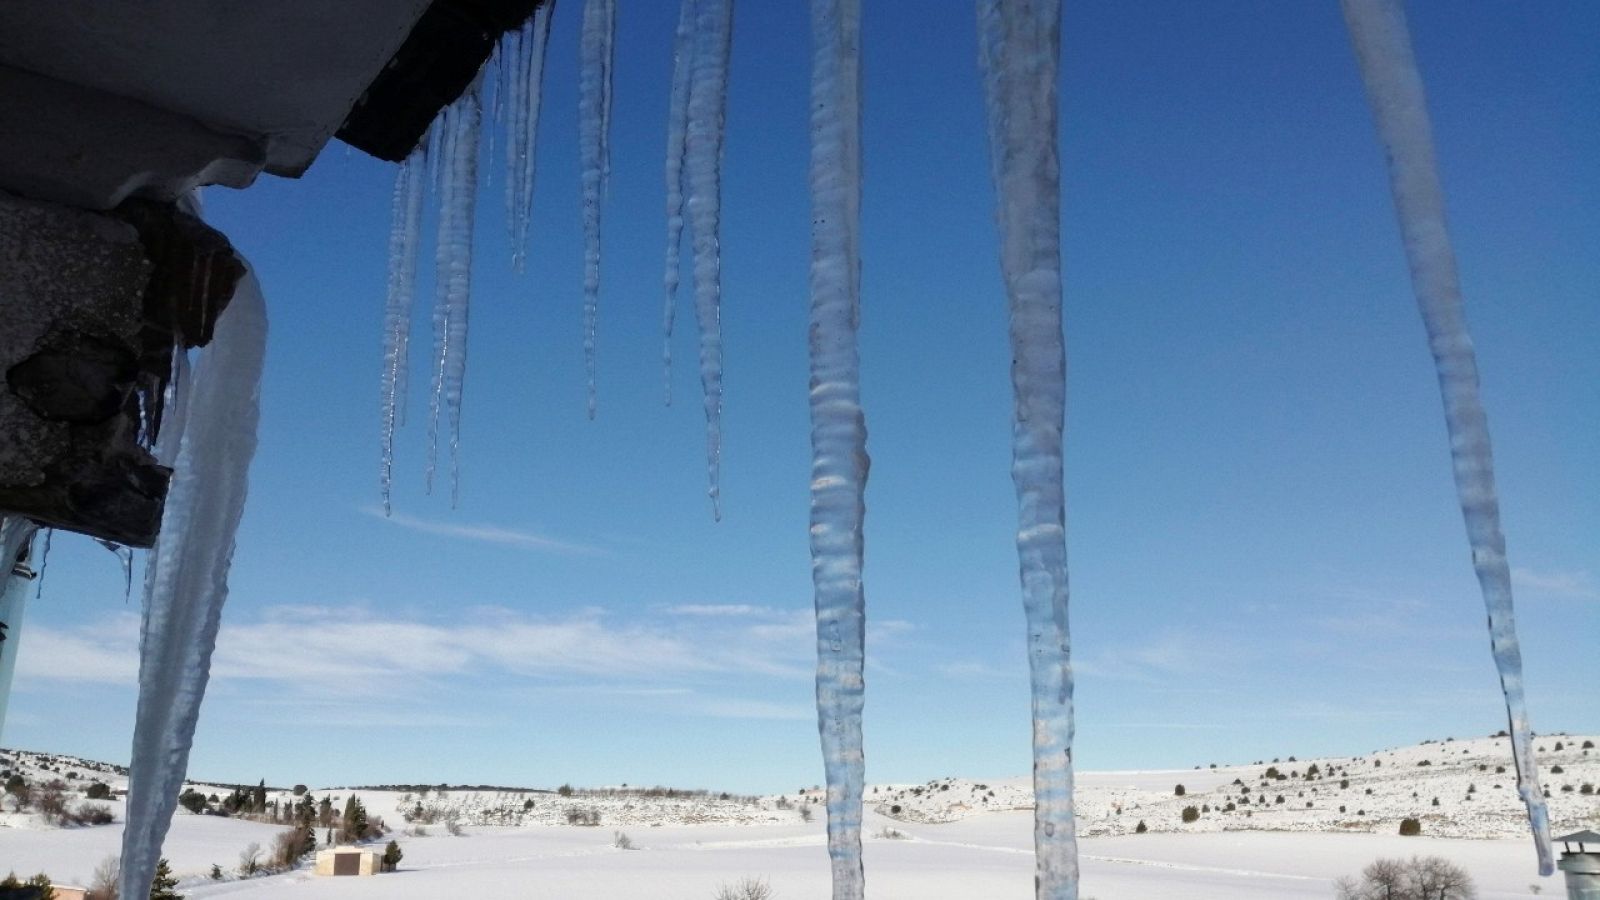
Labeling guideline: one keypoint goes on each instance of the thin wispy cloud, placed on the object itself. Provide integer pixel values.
(973, 670)
(1577, 585)
(351, 655)
(486, 534)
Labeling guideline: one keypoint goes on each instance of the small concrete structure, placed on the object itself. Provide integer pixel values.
(1582, 866)
(349, 861)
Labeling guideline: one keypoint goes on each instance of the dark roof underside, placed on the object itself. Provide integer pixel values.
(447, 47)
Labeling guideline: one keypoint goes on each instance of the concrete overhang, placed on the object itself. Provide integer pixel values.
(102, 99)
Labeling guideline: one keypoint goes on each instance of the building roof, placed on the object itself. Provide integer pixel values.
(1581, 837)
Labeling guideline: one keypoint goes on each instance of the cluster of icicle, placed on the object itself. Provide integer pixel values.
(1394, 88)
(448, 158)
(208, 438)
(695, 119)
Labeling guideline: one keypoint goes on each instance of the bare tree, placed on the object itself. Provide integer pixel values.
(750, 888)
(1436, 878)
(1419, 878)
(250, 859)
(107, 877)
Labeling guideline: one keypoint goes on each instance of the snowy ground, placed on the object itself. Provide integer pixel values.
(686, 847)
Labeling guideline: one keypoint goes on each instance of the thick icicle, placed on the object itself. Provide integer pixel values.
(1020, 44)
(677, 135)
(838, 429)
(458, 195)
(404, 240)
(708, 101)
(594, 127)
(15, 534)
(1394, 88)
(186, 578)
(521, 117)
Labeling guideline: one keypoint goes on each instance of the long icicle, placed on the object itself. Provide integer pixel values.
(1020, 47)
(1394, 89)
(594, 126)
(453, 275)
(708, 101)
(404, 244)
(677, 135)
(839, 460)
(522, 126)
(186, 577)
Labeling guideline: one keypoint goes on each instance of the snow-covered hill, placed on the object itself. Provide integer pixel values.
(1456, 788)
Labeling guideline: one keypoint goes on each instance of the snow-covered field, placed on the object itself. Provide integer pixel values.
(951, 839)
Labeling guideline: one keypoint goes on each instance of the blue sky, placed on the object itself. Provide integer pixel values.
(1266, 553)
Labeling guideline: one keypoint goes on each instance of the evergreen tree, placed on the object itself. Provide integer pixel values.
(42, 882)
(354, 823)
(392, 857)
(258, 798)
(162, 888)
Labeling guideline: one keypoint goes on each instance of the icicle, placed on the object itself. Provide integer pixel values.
(186, 579)
(16, 533)
(522, 128)
(124, 556)
(1394, 88)
(44, 560)
(677, 134)
(405, 237)
(1020, 46)
(708, 95)
(594, 128)
(838, 430)
(453, 270)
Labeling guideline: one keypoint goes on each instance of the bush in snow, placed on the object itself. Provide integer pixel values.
(1410, 827)
(1190, 814)
(745, 889)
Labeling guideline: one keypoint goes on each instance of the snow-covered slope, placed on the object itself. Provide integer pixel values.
(1473, 782)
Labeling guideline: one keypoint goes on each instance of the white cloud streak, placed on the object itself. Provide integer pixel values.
(486, 534)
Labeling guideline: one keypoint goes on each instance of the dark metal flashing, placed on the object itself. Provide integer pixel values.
(438, 61)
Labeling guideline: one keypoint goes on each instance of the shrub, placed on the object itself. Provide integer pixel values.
(565, 790)
(52, 801)
(1140, 828)
(621, 841)
(289, 846)
(1178, 791)
(192, 800)
(1556, 770)
(586, 816)
(89, 814)
(1559, 747)
(1587, 789)
(98, 791)
(1588, 745)
(392, 857)
(1190, 814)
(1410, 827)
(805, 813)
(750, 888)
